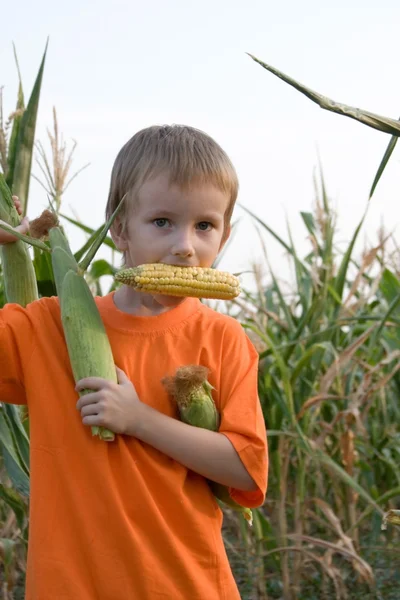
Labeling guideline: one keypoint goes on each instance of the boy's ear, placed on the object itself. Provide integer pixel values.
(118, 235)
(225, 237)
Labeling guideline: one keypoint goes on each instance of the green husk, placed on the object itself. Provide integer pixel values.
(199, 410)
(87, 342)
(18, 271)
(222, 493)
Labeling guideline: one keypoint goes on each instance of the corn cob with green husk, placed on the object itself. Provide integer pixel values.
(198, 282)
(18, 272)
(88, 346)
(87, 342)
(192, 394)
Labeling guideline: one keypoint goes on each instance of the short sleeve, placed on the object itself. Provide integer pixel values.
(242, 420)
(15, 348)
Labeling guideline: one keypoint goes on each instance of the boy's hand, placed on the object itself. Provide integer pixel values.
(23, 227)
(115, 406)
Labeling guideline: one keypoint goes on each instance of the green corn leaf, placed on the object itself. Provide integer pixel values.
(308, 220)
(389, 286)
(100, 268)
(284, 374)
(306, 358)
(12, 460)
(18, 433)
(302, 277)
(307, 317)
(44, 273)
(12, 147)
(219, 258)
(373, 120)
(7, 546)
(340, 280)
(271, 231)
(325, 459)
(298, 264)
(80, 253)
(334, 294)
(107, 240)
(85, 262)
(25, 142)
(14, 501)
(388, 153)
(285, 308)
(393, 493)
(395, 303)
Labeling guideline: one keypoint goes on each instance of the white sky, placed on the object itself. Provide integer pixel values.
(115, 67)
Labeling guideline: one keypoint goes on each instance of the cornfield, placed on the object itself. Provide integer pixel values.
(329, 346)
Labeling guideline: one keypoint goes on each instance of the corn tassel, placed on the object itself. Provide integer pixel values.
(171, 280)
(18, 272)
(87, 342)
(192, 394)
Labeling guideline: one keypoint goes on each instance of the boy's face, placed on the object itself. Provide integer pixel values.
(169, 225)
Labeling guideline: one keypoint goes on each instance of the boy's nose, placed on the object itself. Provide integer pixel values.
(183, 247)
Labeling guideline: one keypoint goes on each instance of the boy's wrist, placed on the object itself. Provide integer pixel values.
(142, 421)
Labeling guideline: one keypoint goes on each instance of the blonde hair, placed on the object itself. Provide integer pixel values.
(189, 157)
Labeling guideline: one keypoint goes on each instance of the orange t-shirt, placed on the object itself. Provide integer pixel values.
(121, 519)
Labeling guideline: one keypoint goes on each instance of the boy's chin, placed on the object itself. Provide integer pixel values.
(168, 301)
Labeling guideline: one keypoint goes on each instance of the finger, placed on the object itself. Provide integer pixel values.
(17, 204)
(121, 375)
(87, 399)
(93, 420)
(23, 227)
(92, 383)
(90, 409)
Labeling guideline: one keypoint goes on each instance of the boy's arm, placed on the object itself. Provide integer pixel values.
(117, 407)
(206, 452)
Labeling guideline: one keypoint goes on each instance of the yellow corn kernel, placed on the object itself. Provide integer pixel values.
(170, 280)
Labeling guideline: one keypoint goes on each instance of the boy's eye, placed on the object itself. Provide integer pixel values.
(204, 225)
(161, 222)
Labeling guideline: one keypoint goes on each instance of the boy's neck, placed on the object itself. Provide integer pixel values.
(131, 302)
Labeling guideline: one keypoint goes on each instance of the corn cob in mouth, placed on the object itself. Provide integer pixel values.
(192, 394)
(171, 280)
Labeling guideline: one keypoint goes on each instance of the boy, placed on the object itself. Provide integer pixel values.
(135, 518)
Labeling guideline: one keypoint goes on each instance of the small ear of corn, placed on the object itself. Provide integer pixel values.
(88, 346)
(18, 272)
(170, 280)
(192, 392)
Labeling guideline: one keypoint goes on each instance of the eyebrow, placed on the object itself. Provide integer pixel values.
(168, 213)
(160, 211)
